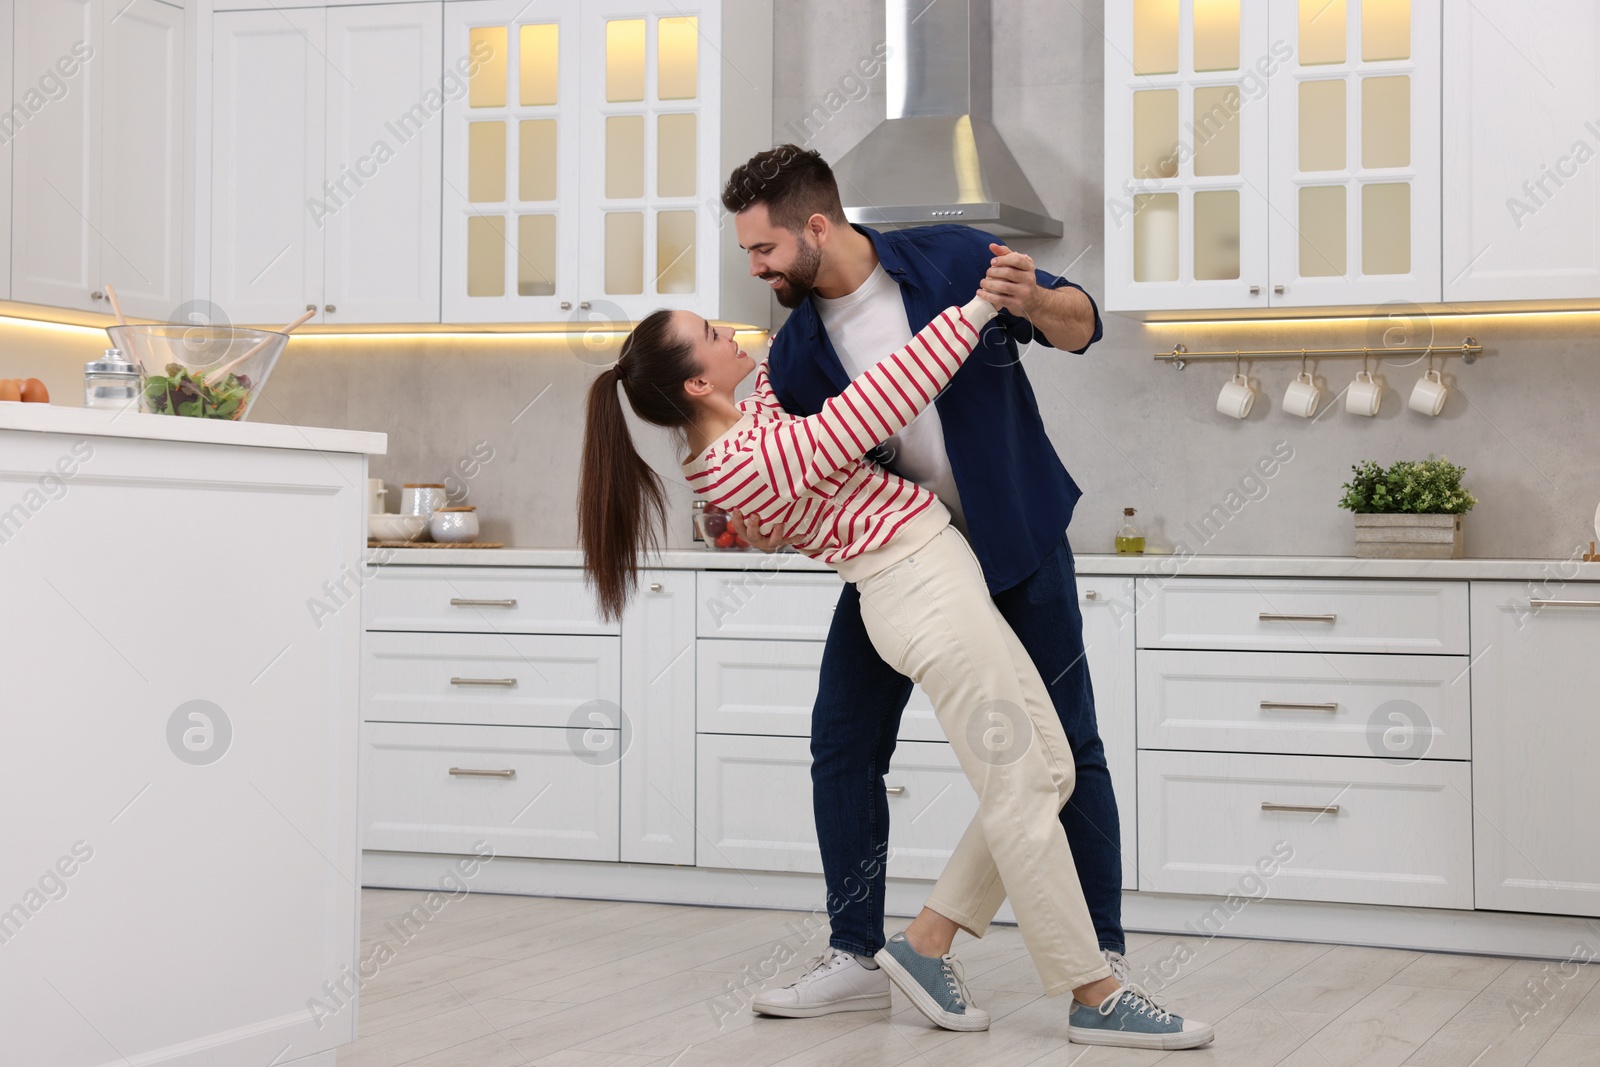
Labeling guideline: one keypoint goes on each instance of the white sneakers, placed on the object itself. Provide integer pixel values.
(833, 981)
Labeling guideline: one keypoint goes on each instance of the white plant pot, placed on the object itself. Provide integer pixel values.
(1409, 536)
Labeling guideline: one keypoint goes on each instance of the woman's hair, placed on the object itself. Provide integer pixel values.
(622, 503)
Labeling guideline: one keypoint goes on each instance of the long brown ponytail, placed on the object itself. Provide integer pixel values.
(622, 502)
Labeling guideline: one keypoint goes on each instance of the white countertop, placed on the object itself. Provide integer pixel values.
(1521, 570)
(92, 422)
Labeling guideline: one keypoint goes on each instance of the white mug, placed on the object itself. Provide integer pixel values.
(1302, 396)
(1364, 396)
(1429, 395)
(1236, 398)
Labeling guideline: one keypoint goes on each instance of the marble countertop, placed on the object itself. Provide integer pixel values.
(91, 422)
(1522, 570)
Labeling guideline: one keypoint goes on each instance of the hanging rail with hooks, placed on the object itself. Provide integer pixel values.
(1468, 350)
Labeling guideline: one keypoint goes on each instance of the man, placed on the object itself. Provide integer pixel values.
(855, 295)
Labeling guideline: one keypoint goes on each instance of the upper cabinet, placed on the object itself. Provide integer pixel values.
(1271, 156)
(97, 154)
(583, 166)
(326, 142)
(8, 131)
(1521, 132)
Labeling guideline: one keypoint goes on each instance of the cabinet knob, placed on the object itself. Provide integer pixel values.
(895, 790)
(97, 295)
(566, 305)
(311, 307)
(584, 304)
(1278, 289)
(1255, 290)
(1090, 594)
(329, 308)
(655, 587)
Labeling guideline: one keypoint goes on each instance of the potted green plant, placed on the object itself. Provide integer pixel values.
(1409, 510)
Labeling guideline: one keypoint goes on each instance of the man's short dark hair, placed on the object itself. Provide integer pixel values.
(795, 183)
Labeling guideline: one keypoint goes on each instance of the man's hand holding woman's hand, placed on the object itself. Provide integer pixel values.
(754, 537)
(1010, 284)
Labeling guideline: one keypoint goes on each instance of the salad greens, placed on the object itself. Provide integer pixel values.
(184, 392)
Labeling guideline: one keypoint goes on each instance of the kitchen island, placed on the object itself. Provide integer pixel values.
(181, 869)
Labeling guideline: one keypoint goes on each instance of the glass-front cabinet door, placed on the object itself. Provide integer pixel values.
(512, 174)
(1355, 179)
(1186, 153)
(649, 156)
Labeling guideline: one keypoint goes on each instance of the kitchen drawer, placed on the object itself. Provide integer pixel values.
(1400, 707)
(754, 806)
(1400, 834)
(1303, 615)
(430, 678)
(540, 801)
(511, 600)
(769, 687)
(759, 603)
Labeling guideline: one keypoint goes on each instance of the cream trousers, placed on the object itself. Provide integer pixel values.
(930, 617)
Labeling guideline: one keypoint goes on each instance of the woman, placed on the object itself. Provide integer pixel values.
(927, 612)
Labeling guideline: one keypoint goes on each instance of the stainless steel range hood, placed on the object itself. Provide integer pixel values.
(938, 157)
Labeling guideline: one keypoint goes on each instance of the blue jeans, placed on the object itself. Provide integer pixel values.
(853, 726)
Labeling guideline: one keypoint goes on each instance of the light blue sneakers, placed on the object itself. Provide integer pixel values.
(933, 984)
(1132, 1018)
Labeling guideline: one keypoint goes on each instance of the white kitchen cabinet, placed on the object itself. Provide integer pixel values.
(658, 687)
(98, 154)
(1521, 127)
(8, 131)
(55, 247)
(1306, 702)
(384, 151)
(487, 679)
(755, 813)
(430, 787)
(1303, 615)
(583, 168)
(1186, 213)
(510, 600)
(769, 687)
(1275, 155)
(1359, 831)
(268, 123)
(1107, 606)
(1534, 680)
(760, 603)
(326, 146)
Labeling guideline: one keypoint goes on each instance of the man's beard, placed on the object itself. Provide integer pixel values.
(801, 277)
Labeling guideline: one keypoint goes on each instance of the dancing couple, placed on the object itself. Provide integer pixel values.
(892, 434)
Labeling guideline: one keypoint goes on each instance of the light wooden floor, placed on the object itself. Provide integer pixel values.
(495, 981)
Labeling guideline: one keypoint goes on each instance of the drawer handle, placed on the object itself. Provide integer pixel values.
(895, 790)
(1331, 809)
(1564, 603)
(1285, 705)
(506, 683)
(472, 772)
(462, 602)
(1090, 594)
(1273, 616)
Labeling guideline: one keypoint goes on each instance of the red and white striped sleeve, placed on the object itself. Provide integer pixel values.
(798, 455)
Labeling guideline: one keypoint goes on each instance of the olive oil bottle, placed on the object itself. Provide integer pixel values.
(1130, 542)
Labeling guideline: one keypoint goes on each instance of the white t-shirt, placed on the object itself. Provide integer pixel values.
(865, 327)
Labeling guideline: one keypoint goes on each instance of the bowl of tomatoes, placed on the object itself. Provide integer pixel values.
(716, 530)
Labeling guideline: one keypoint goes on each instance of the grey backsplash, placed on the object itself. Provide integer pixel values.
(1132, 432)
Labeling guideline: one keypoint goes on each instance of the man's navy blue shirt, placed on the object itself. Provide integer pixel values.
(1016, 495)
